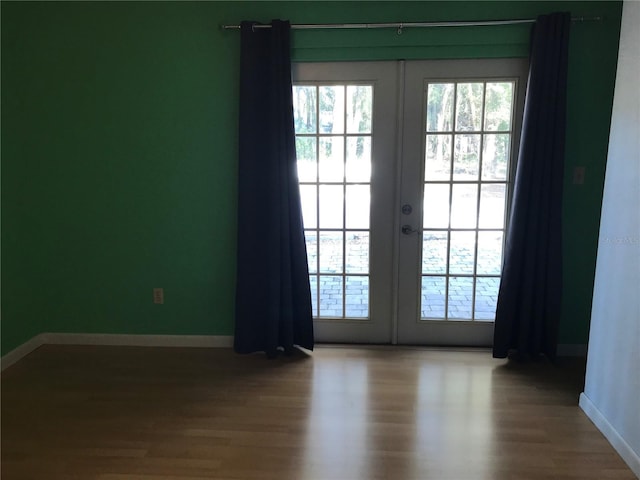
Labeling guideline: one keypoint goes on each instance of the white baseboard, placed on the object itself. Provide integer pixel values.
(572, 350)
(211, 341)
(207, 341)
(22, 351)
(631, 457)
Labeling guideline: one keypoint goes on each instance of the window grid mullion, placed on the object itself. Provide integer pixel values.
(478, 191)
(451, 164)
(318, 250)
(344, 205)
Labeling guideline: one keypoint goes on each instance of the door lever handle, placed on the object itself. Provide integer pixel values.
(408, 230)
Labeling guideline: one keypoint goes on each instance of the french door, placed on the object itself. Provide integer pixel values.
(405, 172)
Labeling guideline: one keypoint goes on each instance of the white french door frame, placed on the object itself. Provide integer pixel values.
(411, 329)
(377, 328)
(397, 179)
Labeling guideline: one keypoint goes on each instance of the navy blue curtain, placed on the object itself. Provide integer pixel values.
(529, 300)
(273, 297)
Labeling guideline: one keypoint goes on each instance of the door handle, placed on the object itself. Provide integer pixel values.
(408, 230)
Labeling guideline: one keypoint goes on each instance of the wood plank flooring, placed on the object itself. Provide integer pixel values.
(115, 413)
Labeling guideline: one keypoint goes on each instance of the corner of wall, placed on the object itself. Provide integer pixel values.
(201, 341)
(22, 351)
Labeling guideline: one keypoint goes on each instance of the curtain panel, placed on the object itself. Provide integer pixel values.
(273, 297)
(530, 294)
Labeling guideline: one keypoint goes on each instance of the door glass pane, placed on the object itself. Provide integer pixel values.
(313, 283)
(495, 156)
(332, 109)
(331, 206)
(308, 197)
(311, 239)
(331, 159)
(433, 297)
(359, 159)
(357, 296)
(434, 252)
(306, 156)
(437, 158)
(490, 253)
(466, 163)
(330, 296)
(439, 107)
(486, 298)
(498, 106)
(460, 298)
(492, 205)
(357, 252)
(330, 248)
(464, 206)
(304, 109)
(469, 107)
(462, 252)
(436, 206)
(358, 206)
(359, 107)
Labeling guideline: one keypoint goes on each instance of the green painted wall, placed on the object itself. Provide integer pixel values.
(119, 149)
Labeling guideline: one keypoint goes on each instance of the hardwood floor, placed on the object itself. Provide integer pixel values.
(114, 413)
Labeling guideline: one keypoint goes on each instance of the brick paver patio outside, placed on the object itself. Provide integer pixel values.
(461, 262)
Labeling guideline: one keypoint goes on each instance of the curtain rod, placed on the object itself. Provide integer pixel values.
(401, 25)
